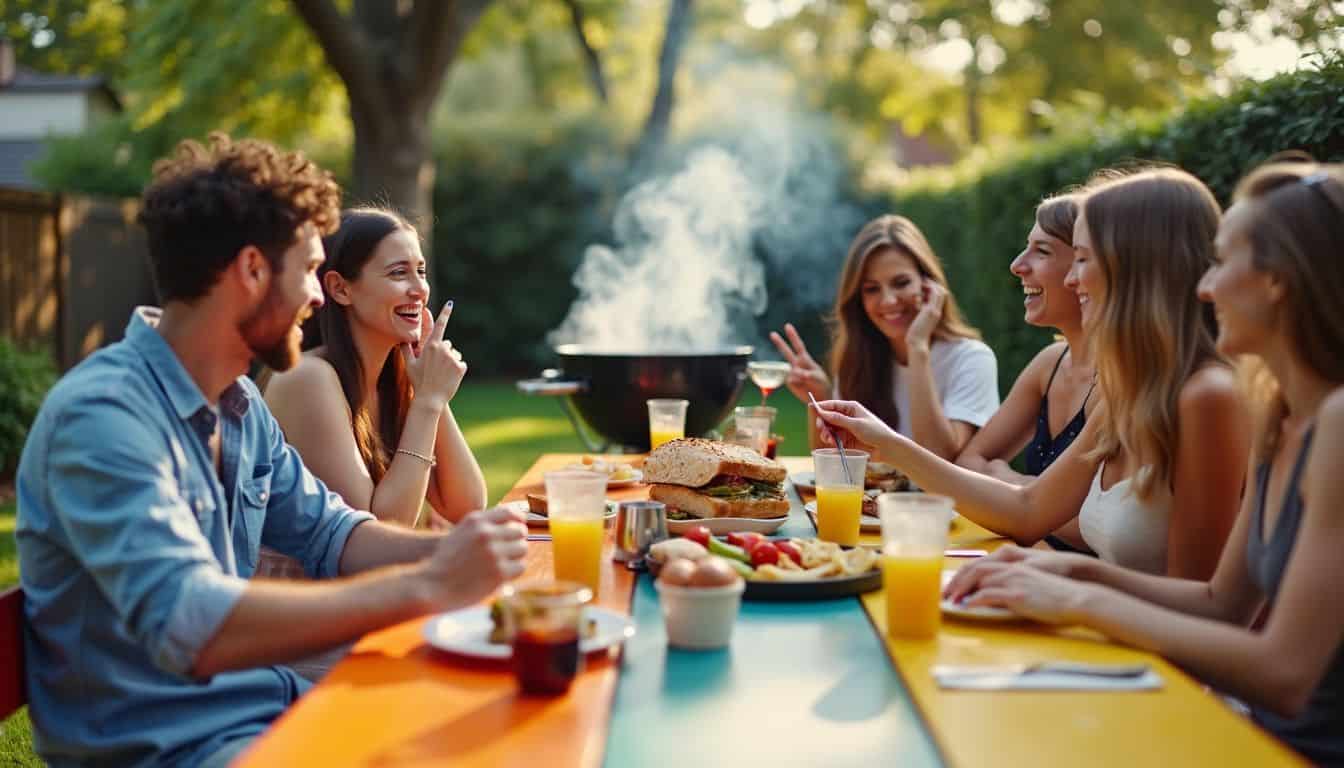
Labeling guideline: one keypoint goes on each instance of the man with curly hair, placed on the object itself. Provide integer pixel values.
(154, 472)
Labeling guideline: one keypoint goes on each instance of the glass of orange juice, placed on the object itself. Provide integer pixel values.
(839, 494)
(914, 535)
(576, 503)
(667, 421)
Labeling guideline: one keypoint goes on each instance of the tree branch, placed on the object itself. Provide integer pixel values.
(438, 28)
(590, 55)
(344, 47)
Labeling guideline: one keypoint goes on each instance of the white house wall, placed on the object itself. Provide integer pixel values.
(34, 115)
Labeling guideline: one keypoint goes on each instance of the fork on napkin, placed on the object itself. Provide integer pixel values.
(1048, 676)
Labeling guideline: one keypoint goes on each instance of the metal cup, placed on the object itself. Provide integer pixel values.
(639, 525)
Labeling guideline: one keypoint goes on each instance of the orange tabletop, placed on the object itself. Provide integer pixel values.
(394, 701)
(1181, 724)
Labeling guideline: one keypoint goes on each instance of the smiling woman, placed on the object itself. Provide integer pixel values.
(900, 345)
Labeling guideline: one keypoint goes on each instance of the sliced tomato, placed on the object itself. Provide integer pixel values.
(789, 550)
(764, 553)
(745, 540)
(699, 534)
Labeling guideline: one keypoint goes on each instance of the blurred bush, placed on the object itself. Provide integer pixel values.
(977, 215)
(25, 377)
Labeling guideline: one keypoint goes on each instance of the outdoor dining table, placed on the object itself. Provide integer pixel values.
(803, 683)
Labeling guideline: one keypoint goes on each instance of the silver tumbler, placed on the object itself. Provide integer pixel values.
(639, 525)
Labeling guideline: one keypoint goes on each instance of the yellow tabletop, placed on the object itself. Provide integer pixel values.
(1181, 724)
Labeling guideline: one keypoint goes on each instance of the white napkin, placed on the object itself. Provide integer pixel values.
(1013, 678)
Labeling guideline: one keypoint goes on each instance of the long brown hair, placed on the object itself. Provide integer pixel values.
(1152, 234)
(1297, 234)
(860, 355)
(348, 250)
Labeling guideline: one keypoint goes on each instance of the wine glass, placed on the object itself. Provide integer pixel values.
(769, 375)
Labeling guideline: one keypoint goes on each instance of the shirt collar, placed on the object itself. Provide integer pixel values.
(143, 335)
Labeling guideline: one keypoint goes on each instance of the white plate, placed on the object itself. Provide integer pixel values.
(867, 523)
(804, 481)
(629, 481)
(722, 526)
(467, 632)
(541, 521)
(974, 613)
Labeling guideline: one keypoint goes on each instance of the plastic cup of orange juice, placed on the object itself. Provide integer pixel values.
(914, 535)
(839, 494)
(667, 420)
(575, 505)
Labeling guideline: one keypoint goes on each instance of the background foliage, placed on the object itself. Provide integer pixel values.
(978, 215)
(24, 379)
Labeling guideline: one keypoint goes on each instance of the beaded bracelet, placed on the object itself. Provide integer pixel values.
(427, 459)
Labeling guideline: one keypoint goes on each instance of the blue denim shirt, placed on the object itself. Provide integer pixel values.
(133, 551)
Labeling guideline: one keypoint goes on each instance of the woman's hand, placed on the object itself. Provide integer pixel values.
(970, 577)
(805, 375)
(434, 367)
(1033, 593)
(920, 334)
(856, 425)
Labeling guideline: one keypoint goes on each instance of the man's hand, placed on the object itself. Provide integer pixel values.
(483, 551)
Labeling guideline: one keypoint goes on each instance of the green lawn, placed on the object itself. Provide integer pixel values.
(506, 430)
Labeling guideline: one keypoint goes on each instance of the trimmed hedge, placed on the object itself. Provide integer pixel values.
(977, 218)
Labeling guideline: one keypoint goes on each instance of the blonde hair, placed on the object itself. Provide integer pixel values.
(860, 354)
(1296, 230)
(1152, 234)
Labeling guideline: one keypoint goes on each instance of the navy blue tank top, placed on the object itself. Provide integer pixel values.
(1317, 733)
(1043, 449)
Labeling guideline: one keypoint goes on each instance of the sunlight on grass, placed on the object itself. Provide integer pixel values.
(514, 430)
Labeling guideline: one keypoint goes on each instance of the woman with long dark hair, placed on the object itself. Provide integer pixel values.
(900, 345)
(368, 409)
(1278, 288)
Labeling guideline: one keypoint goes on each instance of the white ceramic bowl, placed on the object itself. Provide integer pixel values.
(700, 618)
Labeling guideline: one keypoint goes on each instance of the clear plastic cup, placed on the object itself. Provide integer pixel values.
(575, 506)
(752, 425)
(547, 625)
(914, 536)
(839, 494)
(667, 421)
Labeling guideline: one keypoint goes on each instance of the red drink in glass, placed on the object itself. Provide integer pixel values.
(546, 661)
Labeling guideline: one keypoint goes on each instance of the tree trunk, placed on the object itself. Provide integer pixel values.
(393, 165)
(679, 16)
(592, 59)
(973, 76)
(393, 58)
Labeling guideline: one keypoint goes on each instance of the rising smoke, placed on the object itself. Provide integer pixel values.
(759, 194)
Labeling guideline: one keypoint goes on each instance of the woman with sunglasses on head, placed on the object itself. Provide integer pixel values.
(1155, 477)
(900, 344)
(1278, 289)
(1049, 403)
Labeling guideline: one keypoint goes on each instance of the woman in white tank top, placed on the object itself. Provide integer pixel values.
(1169, 404)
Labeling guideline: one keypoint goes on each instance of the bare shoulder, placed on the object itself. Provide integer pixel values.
(1038, 370)
(312, 381)
(1211, 390)
(1330, 417)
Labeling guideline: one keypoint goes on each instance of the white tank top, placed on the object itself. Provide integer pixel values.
(1123, 530)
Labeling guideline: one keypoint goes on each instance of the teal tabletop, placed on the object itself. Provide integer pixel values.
(803, 683)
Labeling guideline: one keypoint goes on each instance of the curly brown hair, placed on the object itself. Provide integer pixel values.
(207, 203)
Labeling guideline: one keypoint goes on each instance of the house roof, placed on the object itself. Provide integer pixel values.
(29, 81)
(15, 156)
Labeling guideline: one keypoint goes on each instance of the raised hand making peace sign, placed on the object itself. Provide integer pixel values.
(805, 375)
(436, 369)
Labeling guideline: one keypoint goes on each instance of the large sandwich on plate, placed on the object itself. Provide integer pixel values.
(698, 478)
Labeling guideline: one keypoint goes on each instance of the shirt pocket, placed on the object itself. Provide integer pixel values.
(254, 496)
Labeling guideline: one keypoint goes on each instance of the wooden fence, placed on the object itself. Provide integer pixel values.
(71, 270)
